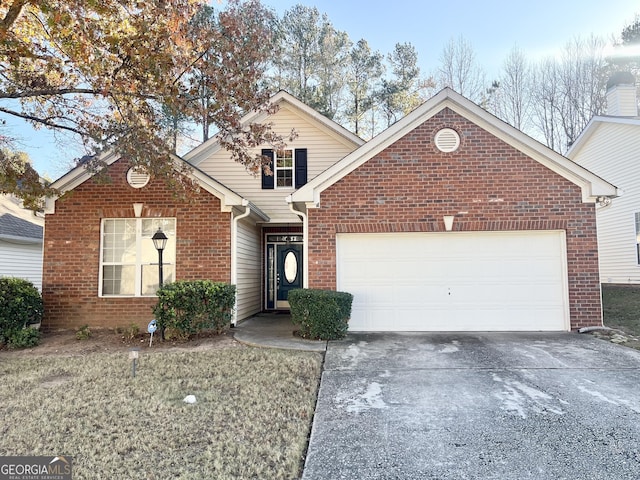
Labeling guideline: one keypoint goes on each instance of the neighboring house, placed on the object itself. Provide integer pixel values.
(449, 220)
(20, 241)
(610, 147)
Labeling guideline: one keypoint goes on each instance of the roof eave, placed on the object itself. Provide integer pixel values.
(584, 136)
(228, 198)
(21, 240)
(202, 151)
(592, 186)
(80, 174)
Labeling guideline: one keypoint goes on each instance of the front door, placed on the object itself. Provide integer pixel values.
(284, 270)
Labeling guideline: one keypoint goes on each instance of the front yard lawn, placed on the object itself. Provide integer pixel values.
(251, 420)
(621, 308)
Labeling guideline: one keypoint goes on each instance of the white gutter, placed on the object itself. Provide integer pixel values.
(305, 242)
(21, 240)
(234, 256)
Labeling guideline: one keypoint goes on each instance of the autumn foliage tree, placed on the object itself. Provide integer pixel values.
(107, 70)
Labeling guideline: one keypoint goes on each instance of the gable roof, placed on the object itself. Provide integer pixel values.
(228, 198)
(593, 126)
(593, 187)
(282, 98)
(17, 223)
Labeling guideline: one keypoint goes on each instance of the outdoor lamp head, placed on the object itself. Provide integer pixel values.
(159, 239)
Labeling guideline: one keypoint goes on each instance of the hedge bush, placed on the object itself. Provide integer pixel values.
(189, 307)
(321, 314)
(24, 338)
(20, 306)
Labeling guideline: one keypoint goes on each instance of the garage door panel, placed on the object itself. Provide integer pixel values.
(375, 296)
(419, 294)
(500, 319)
(513, 293)
(455, 281)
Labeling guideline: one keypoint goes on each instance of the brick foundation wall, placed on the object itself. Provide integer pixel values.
(411, 185)
(72, 248)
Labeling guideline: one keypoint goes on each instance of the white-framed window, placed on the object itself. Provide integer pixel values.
(287, 168)
(284, 168)
(128, 259)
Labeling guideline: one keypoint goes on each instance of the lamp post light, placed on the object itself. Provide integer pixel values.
(160, 241)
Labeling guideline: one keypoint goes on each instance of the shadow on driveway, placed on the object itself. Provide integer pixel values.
(476, 406)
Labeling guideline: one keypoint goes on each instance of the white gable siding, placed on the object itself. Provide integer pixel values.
(21, 261)
(324, 148)
(249, 271)
(613, 152)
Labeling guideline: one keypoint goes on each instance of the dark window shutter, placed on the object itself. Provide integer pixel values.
(267, 180)
(301, 167)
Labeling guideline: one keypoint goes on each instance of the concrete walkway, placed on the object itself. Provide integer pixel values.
(274, 330)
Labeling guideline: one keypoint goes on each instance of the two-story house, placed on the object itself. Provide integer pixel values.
(610, 147)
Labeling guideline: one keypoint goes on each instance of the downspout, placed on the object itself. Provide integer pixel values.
(305, 242)
(234, 256)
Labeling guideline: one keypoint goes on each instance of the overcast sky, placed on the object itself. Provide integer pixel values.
(493, 27)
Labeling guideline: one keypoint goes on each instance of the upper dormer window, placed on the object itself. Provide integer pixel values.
(288, 167)
(284, 168)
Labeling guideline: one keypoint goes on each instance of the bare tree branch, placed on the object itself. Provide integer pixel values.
(42, 121)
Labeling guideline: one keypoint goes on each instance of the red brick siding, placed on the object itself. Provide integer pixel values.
(72, 248)
(411, 185)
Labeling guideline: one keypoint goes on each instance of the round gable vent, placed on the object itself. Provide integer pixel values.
(447, 140)
(136, 178)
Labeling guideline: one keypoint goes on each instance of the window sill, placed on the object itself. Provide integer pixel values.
(127, 296)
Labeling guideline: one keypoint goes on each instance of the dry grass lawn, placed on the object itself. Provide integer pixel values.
(251, 420)
(621, 307)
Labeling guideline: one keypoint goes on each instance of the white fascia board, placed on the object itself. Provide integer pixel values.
(592, 186)
(310, 193)
(258, 214)
(228, 198)
(339, 132)
(592, 127)
(211, 146)
(50, 205)
(75, 177)
(81, 174)
(321, 122)
(21, 240)
(584, 137)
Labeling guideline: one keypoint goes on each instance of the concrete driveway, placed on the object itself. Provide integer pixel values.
(477, 406)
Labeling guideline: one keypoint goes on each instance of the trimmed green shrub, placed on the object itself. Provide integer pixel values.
(24, 338)
(189, 307)
(20, 306)
(321, 314)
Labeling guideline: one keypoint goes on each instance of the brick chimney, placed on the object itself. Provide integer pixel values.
(621, 95)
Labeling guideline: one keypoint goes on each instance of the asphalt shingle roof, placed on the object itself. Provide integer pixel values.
(17, 227)
(19, 222)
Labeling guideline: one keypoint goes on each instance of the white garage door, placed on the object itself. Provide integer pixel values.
(455, 281)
